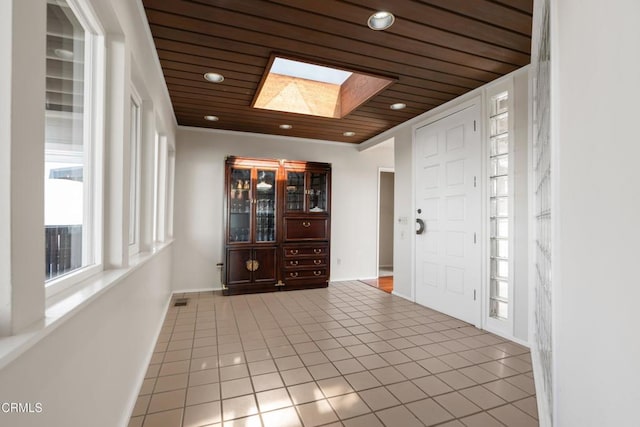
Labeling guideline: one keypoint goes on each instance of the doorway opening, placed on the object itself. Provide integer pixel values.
(385, 223)
(384, 280)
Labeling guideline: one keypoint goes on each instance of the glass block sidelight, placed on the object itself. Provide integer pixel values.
(542, 209)
(499, 172)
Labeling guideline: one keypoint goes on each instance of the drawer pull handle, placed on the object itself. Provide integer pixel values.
(317, 273)
(294, 262)
(293, 252)
(317, 251)
(317, 261)
(306, 224)
(294, 274)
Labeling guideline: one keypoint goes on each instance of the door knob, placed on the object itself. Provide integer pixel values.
(421, 226)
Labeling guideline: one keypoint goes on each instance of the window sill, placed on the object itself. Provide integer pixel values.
(67, 303)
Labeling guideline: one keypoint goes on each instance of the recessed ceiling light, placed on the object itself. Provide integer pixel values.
(214, 77)
(211, 118)
(381, 20)
(349, 133)
(285, 126)
(63, 53)
(398, 106)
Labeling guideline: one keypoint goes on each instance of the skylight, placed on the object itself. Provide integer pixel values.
(305, 88)
(305, 70)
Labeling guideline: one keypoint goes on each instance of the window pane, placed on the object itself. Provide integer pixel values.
(266, 206)
(503, 227)
(500, 248)
(500, 144)
(499, 103)
(499, 186)
(133, 180)
(318, 192)
(500, 124)
(66, 172)
(499, 206)
(240, 206)
(500, 165)
(499, 309)
(295, 191)
(502, 268)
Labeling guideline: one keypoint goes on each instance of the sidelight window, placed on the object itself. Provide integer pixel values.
(499, 176)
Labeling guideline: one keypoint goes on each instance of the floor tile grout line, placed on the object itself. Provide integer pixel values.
(186, 394)
(340, 313)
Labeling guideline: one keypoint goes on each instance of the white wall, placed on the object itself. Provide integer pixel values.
(404, 231)
(521, 206)
(198, 222)
(385, 256)
(595, 91)
(86, 367)
(403, 208)
(87, 372)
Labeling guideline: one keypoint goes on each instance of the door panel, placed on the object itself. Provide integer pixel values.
(237, 272)
(448, 256)
(266, 271)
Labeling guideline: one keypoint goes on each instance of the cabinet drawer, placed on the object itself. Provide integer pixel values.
(305, 251)
(319, 261)
(305, 229)
(306, 274)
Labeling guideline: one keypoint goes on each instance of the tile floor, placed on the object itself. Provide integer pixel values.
(347, 355)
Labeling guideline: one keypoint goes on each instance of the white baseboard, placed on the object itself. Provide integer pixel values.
(397, 294)
(544, 412)
(507, 337)
(183, 291)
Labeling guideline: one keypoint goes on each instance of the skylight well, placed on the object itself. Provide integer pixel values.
(302, 87)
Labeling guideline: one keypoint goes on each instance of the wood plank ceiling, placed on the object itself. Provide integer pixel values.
(437, 50)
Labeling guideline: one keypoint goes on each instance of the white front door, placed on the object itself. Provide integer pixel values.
(448, 255)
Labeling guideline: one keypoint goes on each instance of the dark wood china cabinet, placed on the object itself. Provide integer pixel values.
(277, 225)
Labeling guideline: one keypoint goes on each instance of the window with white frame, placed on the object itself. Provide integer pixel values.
(134, 176)
(499, 201)
(72, 196)
(156, 184)
(160, 189)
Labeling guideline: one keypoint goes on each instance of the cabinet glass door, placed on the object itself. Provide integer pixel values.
(294, 192)
(266, 206)
(240, 205)
(318, 192)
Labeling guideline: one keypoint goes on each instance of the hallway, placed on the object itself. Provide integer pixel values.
(345, 355)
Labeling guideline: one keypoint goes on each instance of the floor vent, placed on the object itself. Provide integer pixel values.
(180, 302)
